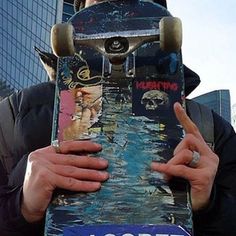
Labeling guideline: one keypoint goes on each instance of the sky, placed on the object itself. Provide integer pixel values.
(209, 42)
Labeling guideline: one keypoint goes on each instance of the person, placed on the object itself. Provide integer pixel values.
(38, 169)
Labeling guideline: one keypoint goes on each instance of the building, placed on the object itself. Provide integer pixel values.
(68, 10)
(5, 89)
(234, 116)
(218, 101)
(23, 25)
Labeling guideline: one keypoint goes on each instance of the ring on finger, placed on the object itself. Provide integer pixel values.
(56, 146)
(195, 159)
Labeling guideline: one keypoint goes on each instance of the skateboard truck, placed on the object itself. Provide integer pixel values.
(118, 48)
(121, 71)
(118, 51)
(116, 67)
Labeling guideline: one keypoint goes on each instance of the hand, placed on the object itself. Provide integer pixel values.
(47, 170)
(201, 178)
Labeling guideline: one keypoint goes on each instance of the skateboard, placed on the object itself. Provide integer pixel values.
(119, 73)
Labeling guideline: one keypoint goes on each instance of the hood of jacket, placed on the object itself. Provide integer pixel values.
(192, 80)
(49, 62)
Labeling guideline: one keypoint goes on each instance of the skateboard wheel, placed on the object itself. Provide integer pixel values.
(170, 34)
(62, 40)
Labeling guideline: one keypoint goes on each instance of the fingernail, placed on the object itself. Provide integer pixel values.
(154, 164)
(98, 145)
(179, 105)
(104, 175)
(103, 161)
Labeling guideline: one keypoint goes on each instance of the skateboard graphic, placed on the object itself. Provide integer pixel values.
(119, 73)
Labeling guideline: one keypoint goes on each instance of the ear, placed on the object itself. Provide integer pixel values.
(49, 62)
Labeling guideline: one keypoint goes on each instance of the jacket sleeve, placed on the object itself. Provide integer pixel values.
(12, 221)
(31, 112)
(218, 218)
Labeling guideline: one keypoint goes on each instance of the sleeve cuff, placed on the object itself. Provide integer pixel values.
(17, 219)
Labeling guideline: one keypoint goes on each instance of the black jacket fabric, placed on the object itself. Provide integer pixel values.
(32, 111)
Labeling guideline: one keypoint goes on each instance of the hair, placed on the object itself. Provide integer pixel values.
(80, 4)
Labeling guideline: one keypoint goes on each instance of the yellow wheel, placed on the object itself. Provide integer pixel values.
(170, 34)
(62, 42)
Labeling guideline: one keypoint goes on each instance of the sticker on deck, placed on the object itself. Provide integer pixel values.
(126, 230)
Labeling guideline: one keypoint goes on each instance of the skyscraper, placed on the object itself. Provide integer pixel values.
(23, 25)
(68, 10)
(218, 101)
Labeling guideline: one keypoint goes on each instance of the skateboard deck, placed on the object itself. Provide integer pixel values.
(118, 89)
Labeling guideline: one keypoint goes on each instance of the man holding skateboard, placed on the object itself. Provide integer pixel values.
(41, 168)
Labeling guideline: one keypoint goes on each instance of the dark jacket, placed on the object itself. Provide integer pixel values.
(32, 112)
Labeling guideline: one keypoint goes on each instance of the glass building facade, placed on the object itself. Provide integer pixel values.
(218, 101)
(68, 10)
(23, 25)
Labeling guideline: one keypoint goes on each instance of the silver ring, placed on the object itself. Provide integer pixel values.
(195, 159)
(56, 146)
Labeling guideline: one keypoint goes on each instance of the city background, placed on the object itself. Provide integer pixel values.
(25, 25)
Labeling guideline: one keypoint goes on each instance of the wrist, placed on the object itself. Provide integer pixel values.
(29, 214)
(200, 205)
(209, 205)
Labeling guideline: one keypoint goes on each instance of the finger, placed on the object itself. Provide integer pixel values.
(189, 142)
(154, 167)
(79, 173)
(72, 184)
(185, 121)
(181, 171)
(85, 146)
(192, 143)
(80, 161)
(183, 157)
